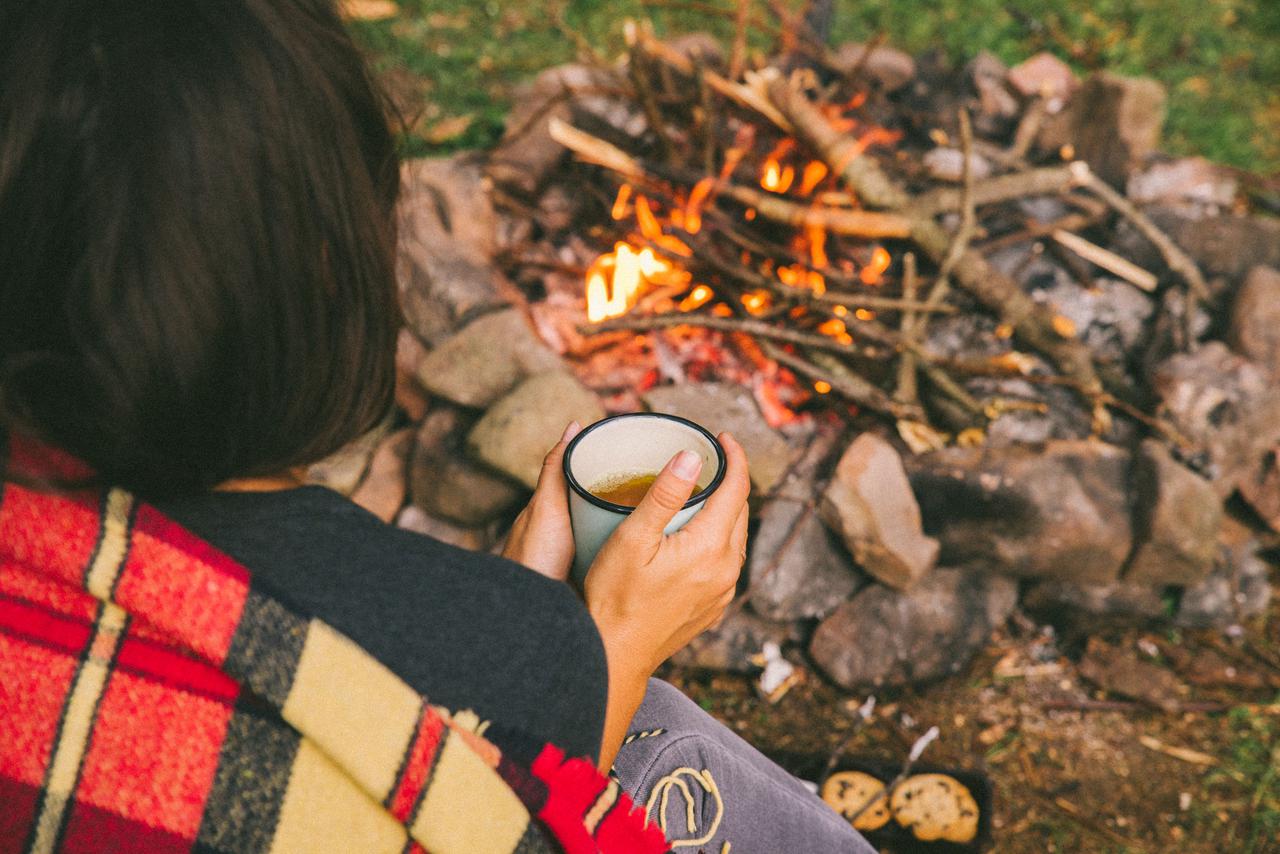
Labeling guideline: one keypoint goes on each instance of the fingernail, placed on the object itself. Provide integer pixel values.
(687, 465)
(570, 431)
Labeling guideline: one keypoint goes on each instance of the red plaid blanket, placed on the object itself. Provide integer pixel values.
(152, 698)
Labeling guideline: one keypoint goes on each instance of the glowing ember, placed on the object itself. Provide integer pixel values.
(864, 314)
(822, 387)
(836, 329)
(840, 310)
(698, 297)
(757, 302)
(1004, 330)
(799, 276)
(880, 260)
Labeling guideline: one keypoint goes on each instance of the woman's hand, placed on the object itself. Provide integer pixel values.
(541, 537)
(651, 593)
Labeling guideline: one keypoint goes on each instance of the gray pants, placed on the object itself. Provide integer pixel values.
(712, 792)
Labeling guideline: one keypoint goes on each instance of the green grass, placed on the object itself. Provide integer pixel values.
(1220, 59)
(1247, 785)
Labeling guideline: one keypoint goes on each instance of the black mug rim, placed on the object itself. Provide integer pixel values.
(697, 497)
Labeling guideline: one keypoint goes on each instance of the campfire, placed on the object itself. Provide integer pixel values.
(966, 323)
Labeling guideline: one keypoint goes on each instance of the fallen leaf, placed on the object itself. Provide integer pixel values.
(448, 129)
(369, 10)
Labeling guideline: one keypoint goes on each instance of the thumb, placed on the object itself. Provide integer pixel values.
(674, 485)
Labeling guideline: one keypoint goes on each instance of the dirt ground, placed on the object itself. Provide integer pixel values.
(1074, 768)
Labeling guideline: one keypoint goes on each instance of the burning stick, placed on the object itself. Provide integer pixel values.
(846, 383)
(854, 223)
(907, 391)
(1033, 323)
(756, 328)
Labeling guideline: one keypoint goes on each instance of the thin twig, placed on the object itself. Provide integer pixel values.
(864, 717)
(1047, 181)
(757, 328)
(738, 56)
(848, 385)
(907, 390)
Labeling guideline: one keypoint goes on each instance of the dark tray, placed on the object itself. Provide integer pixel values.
(893, 837)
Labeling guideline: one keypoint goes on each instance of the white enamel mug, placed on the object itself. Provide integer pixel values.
(623, 446)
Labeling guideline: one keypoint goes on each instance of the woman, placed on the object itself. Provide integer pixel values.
(197, 300)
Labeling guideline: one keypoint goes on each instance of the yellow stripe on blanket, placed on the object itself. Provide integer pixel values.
(353, 708)
(324, 810)
(468, 807)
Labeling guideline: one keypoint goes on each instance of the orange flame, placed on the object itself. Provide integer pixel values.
(648, 223)
(776, 177)
(698, 297)
(865, 314)
(693, 206)
(880, 260)
(817, 245)
(822, 387)
(616, 280)
(812, 176)
(620, 203)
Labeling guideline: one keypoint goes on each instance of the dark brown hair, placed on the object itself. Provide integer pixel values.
(196, 236)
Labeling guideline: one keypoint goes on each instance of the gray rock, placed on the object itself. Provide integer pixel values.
(515, 434)
(446, 484)
(798, 569)
(1111, 318)
(342, 470)
(721, 406)
(1118, 122)
(486, 359)
(1099, 600)
(1192, 180)
(527, 154)
(447, 236)
(1224, 404)
(1046, 76)
(947, 164)
(419, 521)
(1239, 587)
(869, 503)
(1058, 510)
(1254, 329)
(731, 645)
(997, 106)
(1228, 246)
(1175, 523)
(889, 67)
(887, 637)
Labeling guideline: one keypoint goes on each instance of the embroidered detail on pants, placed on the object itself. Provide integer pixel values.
(661, 795)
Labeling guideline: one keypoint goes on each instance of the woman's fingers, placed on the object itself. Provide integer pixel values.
(674, 485)
(725, 504)
(551, 485)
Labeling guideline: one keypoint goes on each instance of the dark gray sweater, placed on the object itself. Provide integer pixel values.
(467, 630)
